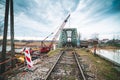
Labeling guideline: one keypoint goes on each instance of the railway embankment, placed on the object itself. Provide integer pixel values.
(95, 67)
(98, 67)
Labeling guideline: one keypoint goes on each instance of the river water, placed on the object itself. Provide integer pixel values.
(112, 55)
(9, 48)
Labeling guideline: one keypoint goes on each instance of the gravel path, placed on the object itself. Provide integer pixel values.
(66, 68)
(38, 72)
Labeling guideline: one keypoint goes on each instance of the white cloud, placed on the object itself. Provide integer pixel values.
(2, 11)
(68, 4)
(53, 13)
(47, 15)
(90, 18)
(23, 20)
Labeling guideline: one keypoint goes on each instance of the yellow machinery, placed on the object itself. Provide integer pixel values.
(20, 57)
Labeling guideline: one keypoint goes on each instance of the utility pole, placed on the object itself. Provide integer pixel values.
(12, 31)
(9, 4)
(3, 54)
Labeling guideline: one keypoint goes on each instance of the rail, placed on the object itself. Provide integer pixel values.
(83, 77)
(50, 71)
(79, 66)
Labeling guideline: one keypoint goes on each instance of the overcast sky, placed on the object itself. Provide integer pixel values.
(38, 18)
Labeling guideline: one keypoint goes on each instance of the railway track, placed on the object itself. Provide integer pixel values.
(66, 67)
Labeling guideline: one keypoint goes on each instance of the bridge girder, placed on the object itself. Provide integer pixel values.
(68, 37)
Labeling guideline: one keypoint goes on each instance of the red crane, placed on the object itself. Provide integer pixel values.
(42, 42)
(45, 49)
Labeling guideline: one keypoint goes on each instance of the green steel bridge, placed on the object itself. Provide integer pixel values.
(68, 37)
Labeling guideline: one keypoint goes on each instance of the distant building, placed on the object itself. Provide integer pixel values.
(105, 40)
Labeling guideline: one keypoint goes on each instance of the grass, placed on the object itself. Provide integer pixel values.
(104, 68)
(53, 52)
(68, 78)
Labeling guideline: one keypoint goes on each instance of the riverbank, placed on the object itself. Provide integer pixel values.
(109, 47)
(100, 68)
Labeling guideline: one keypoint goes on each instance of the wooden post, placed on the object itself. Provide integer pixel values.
(12, 31)
(95, 49)
(3, 54)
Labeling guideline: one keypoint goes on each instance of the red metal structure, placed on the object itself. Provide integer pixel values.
(44, 48)
(42, 42)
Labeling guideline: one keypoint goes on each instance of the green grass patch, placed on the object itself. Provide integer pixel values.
(53, 52)
(68, 78)
(105, 69)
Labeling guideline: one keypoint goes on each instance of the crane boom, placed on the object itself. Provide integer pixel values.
(44, 48)
(48, 36)
(59, 30)
(42, 42)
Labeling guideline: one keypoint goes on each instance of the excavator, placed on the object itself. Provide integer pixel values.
(46, 49)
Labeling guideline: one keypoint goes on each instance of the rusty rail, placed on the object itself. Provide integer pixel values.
(50, 71)
(79, 66)
(83, 77)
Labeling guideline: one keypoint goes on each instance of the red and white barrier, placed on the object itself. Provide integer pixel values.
(28, 58)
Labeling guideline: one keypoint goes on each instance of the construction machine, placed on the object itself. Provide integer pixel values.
(44, 48)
